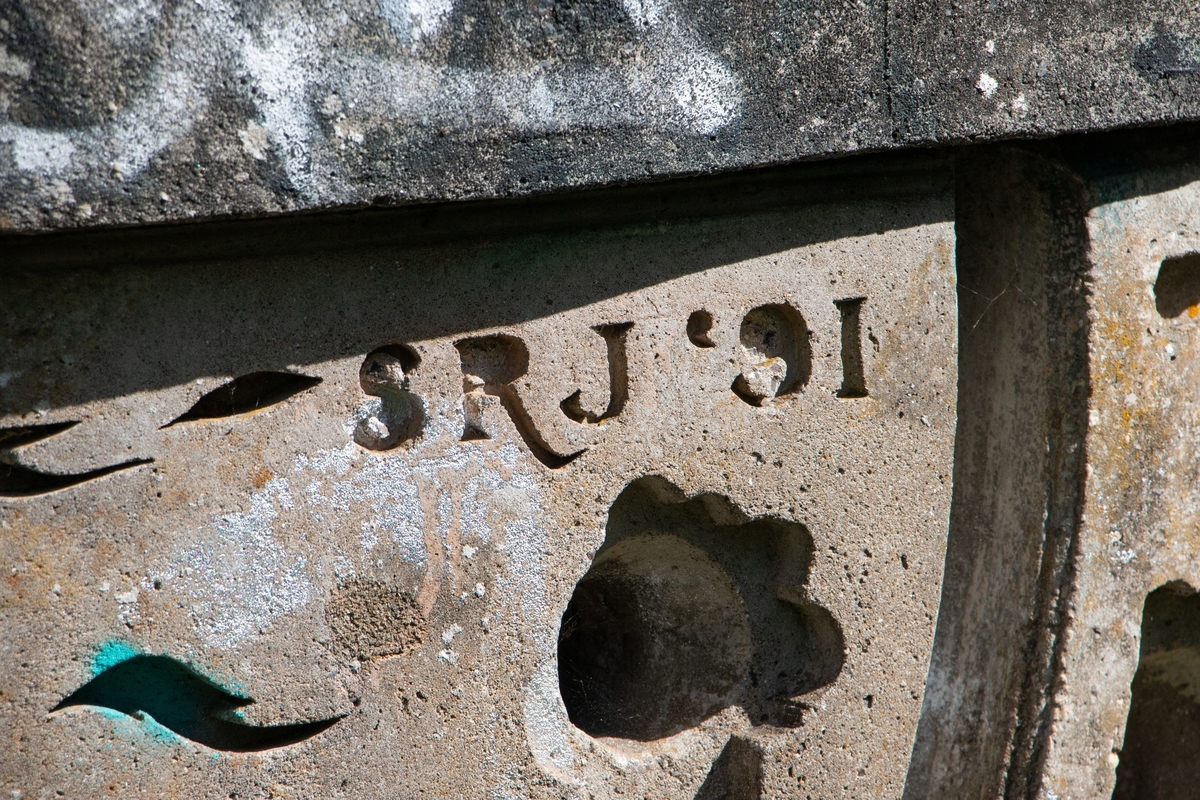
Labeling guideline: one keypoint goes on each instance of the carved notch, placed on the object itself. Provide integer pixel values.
(245, 394)
(187, 703)
(20, 481)
(491, 366)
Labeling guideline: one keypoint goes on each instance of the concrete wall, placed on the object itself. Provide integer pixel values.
(868, 477)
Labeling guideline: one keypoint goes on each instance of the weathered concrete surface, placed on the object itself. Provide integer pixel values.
(1019, 463)
(1140, 509)
(390, 552)
(136, 111)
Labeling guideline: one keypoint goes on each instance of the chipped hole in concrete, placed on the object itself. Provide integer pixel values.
(687, 609)
(699, 326)
(245, 394)
(777, 354)
(372, 619)
(1177, 288)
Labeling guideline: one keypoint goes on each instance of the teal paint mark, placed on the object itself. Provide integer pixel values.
(168, 694)
(159, 731)
(111, 654)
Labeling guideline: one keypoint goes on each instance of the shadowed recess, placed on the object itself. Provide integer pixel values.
(185, 702)
(1160, 757)
(688, 608)
(21, 481)
(736, 774)
(245, 394)
(1177, 288)
(699, 326)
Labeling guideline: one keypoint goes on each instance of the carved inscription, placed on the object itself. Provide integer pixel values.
(401, 414)
(854, 382)
(491, 366)
(776, 354)
(775, 357)
(618, 378)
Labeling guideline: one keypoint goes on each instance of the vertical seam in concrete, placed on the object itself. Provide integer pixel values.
(1066, 462)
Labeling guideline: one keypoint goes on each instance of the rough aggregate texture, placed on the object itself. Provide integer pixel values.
(406, 596)
(1138, 529)
(145, 110)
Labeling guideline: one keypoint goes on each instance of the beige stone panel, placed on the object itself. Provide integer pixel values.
(415, 593)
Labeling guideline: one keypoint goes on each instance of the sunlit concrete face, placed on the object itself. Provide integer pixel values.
(1136, 553)
(654, 511)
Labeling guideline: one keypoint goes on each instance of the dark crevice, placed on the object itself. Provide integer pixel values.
(245, 394)
(12, 438)
(185, 702)
(19, 481)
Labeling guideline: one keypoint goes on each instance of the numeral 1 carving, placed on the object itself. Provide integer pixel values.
(854, 382)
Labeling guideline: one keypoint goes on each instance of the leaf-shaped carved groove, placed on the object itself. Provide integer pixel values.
(17, 480)
(185, 702)
(245, 394)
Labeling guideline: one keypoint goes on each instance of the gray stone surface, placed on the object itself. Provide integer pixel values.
(1018, 473)
(538, 531)
(1138, 529)
(135, 111)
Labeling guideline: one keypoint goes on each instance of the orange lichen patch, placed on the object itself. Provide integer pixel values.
(1194, 310)
(261, 476)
